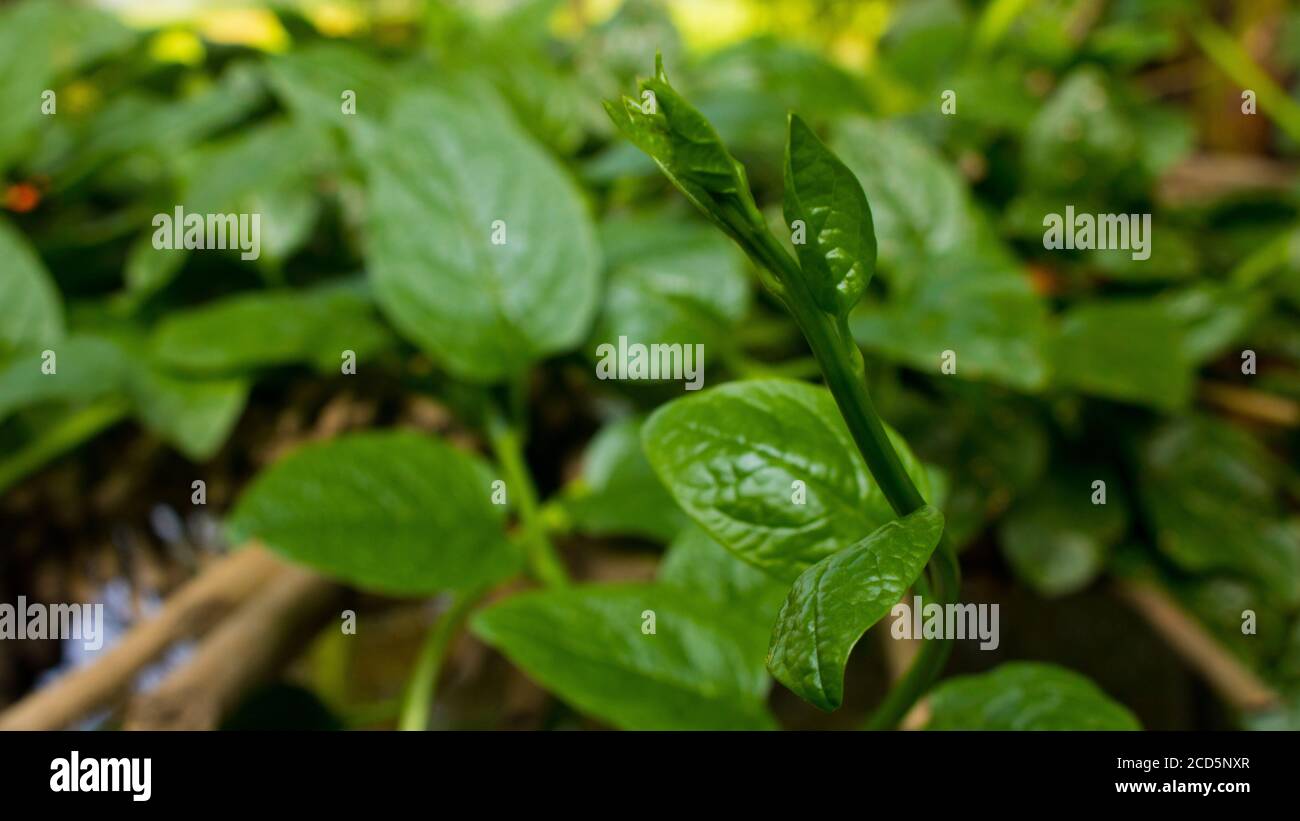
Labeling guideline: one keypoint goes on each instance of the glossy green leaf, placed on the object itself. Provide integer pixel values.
(1026, 696)
(395, 513)
(1056, 538)
(982, 310)
(587, 644)
(731, 456)
(1130, 350)
(838, 255)
(31, 312)
(265, 328)
(618, 492)
(449, 172)
(836, 600)
(1210, 492)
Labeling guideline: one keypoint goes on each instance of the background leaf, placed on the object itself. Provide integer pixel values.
(618, 492)
(1126, 350)
(982, 310)
(1210, 492)
(449, 165)
(392, 512)
(31, 312)
(670, 281)
(586, 645)
(265, 328)
(696, 563)
(919, 204)
(1025, 696)
(1055, 538)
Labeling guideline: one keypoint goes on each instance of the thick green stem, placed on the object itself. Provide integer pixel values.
(543, 562)
(418, 699)
(933, 655)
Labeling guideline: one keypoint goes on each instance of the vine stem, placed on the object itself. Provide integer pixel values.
(543, 562)
(418, 698)
(845, 375)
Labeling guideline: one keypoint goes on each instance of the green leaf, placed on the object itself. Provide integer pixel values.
(678, 137)
(312, 80)
(226, 176)
(926, 40)
(671, 282)
(448, 171)
(148, 269)
(395, 513)
(1056, 538)
(1215, 315)
(265, 328)
(839, 254)
(688, 150)
(26, 64)
(618, 492)
(86, 368)
(731, 455)
(159, 128)
(587, 645)
(31, 312)
(1218, 602)
(983, 310)
(1080, 138)
(1127, 350)
(919, 205)
(697, 563)
(1210, 492)
(836, 600)
(194, 415)
(1026, 696)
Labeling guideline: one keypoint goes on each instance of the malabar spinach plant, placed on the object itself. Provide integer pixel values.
(850, 561)
(756, 585)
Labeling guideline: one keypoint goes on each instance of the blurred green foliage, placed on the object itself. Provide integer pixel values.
(1073, 366)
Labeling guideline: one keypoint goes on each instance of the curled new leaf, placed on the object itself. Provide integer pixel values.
(683, 143)
(836, 600)
(837, 246)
